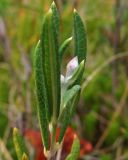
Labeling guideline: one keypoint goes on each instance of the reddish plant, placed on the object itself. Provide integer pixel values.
(34, 137)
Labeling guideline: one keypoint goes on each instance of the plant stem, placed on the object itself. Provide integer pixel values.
(53, 136)
(58, 157)
(52, 154)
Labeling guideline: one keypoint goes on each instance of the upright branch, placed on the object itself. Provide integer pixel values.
(58, 95)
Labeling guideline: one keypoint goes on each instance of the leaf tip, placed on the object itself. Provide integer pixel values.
(15, 131)
(24, 157)
(53, 4)
(82, 63)
(75, 11)
(49, 12)
(70, 38)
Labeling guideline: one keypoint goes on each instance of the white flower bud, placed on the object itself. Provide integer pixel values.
(71, 67)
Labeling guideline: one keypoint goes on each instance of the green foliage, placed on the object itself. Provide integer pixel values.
(51, 65)
(4, 87)
(64, 47)
(4, 4)
(56, 21)
(74, 154)
(3, 124)
(80, 41)
(52, 105)
(126, 130)
(43, 112)
(90, 122)
(67, 107)
(114, 132)
(98, 103)
(19, 144)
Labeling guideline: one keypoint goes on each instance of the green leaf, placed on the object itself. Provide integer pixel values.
(42, 107)
(74, 154)
(19, 144)
(80, 41)
(76, 79)
(67, 109)
(74, 102)
(51, 65)
(64, 121)
(64, 47)
(3, 123)
(68, 97)
(56, 18)
(69, 94)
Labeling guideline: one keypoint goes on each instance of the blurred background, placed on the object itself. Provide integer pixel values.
(102, 114)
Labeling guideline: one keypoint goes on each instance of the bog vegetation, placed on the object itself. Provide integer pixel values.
(63, 80)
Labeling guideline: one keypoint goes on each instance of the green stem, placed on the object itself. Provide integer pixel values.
(53, 136)
(52, 154)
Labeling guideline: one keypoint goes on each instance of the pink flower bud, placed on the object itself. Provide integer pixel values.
(71, 67)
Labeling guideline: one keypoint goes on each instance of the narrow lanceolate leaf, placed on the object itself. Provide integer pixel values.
(68, 98)
(74, 154)
(80, 41)
(24, 157)
(67, 109)
(74, 102)
(64, 47)
(64, 121)
(19, 144)
(69, 94)
(76, 78)
(51, 65)
(56, 19)
(42, 107)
